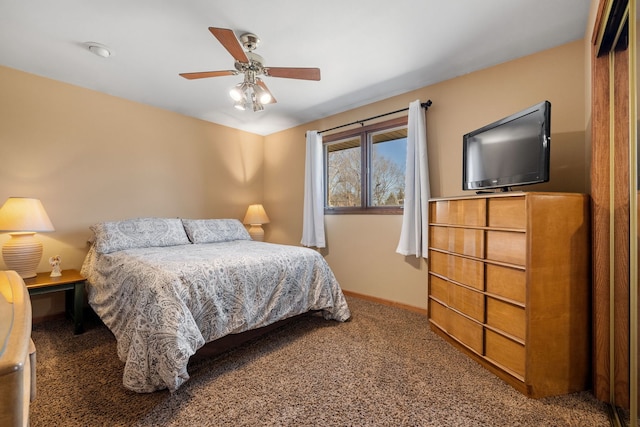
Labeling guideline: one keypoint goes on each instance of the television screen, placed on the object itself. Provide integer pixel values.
(510, 152)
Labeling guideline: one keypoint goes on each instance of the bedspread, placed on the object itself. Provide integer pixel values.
(163, 303)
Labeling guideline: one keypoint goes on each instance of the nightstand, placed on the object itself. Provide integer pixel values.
(72, 282)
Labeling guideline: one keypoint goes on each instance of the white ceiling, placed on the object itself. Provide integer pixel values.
(367, 50)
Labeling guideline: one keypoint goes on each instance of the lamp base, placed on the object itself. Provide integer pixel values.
(22, 253)
(256, 232)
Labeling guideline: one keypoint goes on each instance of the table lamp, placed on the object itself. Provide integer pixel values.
(255, 217)
(22, 217)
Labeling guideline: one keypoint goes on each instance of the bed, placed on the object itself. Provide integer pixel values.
(167, 286)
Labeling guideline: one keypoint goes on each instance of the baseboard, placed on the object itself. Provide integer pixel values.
(407, 307)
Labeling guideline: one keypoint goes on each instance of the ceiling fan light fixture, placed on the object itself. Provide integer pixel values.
(238, 92)
(257, 106)
(262, 95)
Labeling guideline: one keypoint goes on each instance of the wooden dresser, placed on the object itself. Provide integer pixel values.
(509, 286)
(17, 352)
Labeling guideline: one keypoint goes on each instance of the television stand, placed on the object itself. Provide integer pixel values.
(497, 190)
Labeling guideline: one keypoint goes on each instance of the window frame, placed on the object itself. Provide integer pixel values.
(365, 157)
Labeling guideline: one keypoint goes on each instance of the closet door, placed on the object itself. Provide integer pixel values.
(614, 190)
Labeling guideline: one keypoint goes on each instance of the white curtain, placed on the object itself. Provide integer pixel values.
(415, 222)
(313, 210)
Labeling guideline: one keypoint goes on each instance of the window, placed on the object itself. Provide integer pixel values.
(365, 168)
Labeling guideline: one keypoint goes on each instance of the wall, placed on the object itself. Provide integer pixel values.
(93, 157)
(361, 248)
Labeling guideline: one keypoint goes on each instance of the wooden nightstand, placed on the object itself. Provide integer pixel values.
(71, 280)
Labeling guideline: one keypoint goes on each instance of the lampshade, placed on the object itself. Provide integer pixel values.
(255, 217)
(24, 214)
(22, 217)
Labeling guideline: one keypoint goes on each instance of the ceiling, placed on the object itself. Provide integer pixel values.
(367, 50)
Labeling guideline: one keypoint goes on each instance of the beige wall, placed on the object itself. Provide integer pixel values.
(361, 248)
(92, 157)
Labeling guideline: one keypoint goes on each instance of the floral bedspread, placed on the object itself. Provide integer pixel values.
(163, 303)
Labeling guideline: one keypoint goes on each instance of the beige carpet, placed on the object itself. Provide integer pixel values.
(383, 368)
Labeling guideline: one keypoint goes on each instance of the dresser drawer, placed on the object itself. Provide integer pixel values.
(470, 212)
(505, 352)
(439, 314)
(466, 271)
(506, 246)
(466, 331)
(439, 237)
(507, 212)
(464, 241)
(467, 241)
(506, 282)
(463, 270)
(468, 301)
(506, 317)
(439, 212)
(439, 263)
(439, 289)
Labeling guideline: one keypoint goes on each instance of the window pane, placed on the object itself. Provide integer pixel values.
(344, 173)
(388, 158)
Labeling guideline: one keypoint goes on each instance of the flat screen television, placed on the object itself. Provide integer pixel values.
(510, 152)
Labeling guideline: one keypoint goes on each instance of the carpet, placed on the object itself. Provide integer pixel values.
(382, 368)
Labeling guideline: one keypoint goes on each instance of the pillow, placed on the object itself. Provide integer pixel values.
(215, 230)
(138, 233)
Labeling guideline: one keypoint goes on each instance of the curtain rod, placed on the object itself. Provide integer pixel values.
(424, 105)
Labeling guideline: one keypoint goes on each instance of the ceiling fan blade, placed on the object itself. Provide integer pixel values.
(230, 42)
(266, 89)
(205, 74)
(293, 73)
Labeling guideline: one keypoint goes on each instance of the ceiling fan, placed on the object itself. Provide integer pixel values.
(252, 92)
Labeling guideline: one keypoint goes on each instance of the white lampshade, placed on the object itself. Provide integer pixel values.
(23, 217)
(24, 214)
(255, 217)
